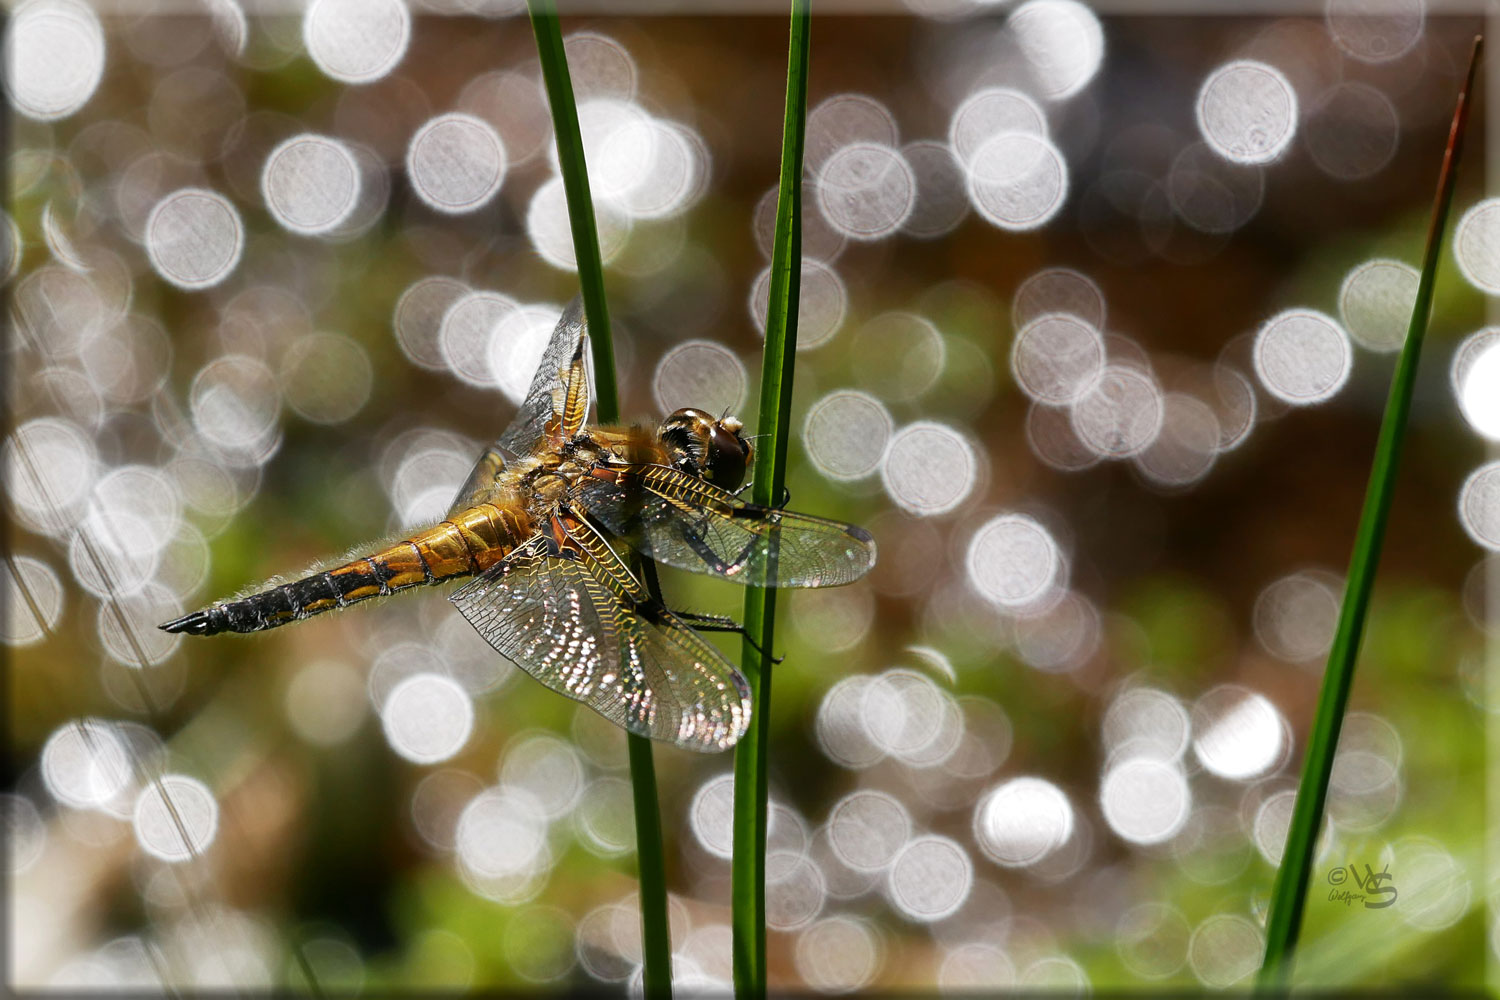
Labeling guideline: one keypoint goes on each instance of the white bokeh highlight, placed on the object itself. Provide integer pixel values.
(194, 238)
(1302, 356)
(1376, 301)
(1375, 31)
(1022, 821)
(1247, 112)
(1013, 561)
(1476, 245)
(1145, 800)
(866, 191)
(176, 818)
(929, 468)
(1479, 506)
(311, 184)
(356, 41)
(1056, 358)
(1062, 42)
(846, 434)
(456, 162)
(1017, 181)
(1477, 383)
(930, 878)
(427, 718)
(822, 305)
(54, 58)
(867, 828)
(700, 373)
(1121, 412)
(1240, 735)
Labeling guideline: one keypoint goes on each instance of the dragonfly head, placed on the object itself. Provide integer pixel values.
(713, 449)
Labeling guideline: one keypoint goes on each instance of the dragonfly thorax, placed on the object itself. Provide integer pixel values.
(716, 450)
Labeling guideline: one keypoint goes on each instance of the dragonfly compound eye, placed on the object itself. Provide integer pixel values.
(728, 456)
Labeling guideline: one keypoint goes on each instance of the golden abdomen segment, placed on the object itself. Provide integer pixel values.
(472, 541)
(469, 542)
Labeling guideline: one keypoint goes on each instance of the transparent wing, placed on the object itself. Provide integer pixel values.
(481, 481)
(567, 610)
(556, 406)
(680, 520)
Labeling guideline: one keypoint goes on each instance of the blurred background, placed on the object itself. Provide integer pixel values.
(1099, 311)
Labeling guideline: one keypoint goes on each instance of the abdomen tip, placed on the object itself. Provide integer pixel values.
(196, 623)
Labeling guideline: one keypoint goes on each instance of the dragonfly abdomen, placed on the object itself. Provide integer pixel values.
(469, 542)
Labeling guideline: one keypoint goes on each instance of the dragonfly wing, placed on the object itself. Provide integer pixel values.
(680, 520)
(481, 480)
(556, 407)
(557, 404)
(568, 611)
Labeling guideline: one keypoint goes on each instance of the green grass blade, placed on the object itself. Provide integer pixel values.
(575, 178)
(656, 938)
(1289, 896)
(651, 871)
(749, 863)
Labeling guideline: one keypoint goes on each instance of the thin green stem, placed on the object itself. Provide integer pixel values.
(656, 937)
(650, 856)
(1289, 896)
(575, 178)
(749, 863)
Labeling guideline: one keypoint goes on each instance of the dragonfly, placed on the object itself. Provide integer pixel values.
(539, 529)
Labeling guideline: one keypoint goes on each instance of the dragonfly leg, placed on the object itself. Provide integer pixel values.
(705, 552)
(786, 495)
(712, 559)
(722, 623)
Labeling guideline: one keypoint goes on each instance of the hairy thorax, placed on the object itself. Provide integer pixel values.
(550, 479)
